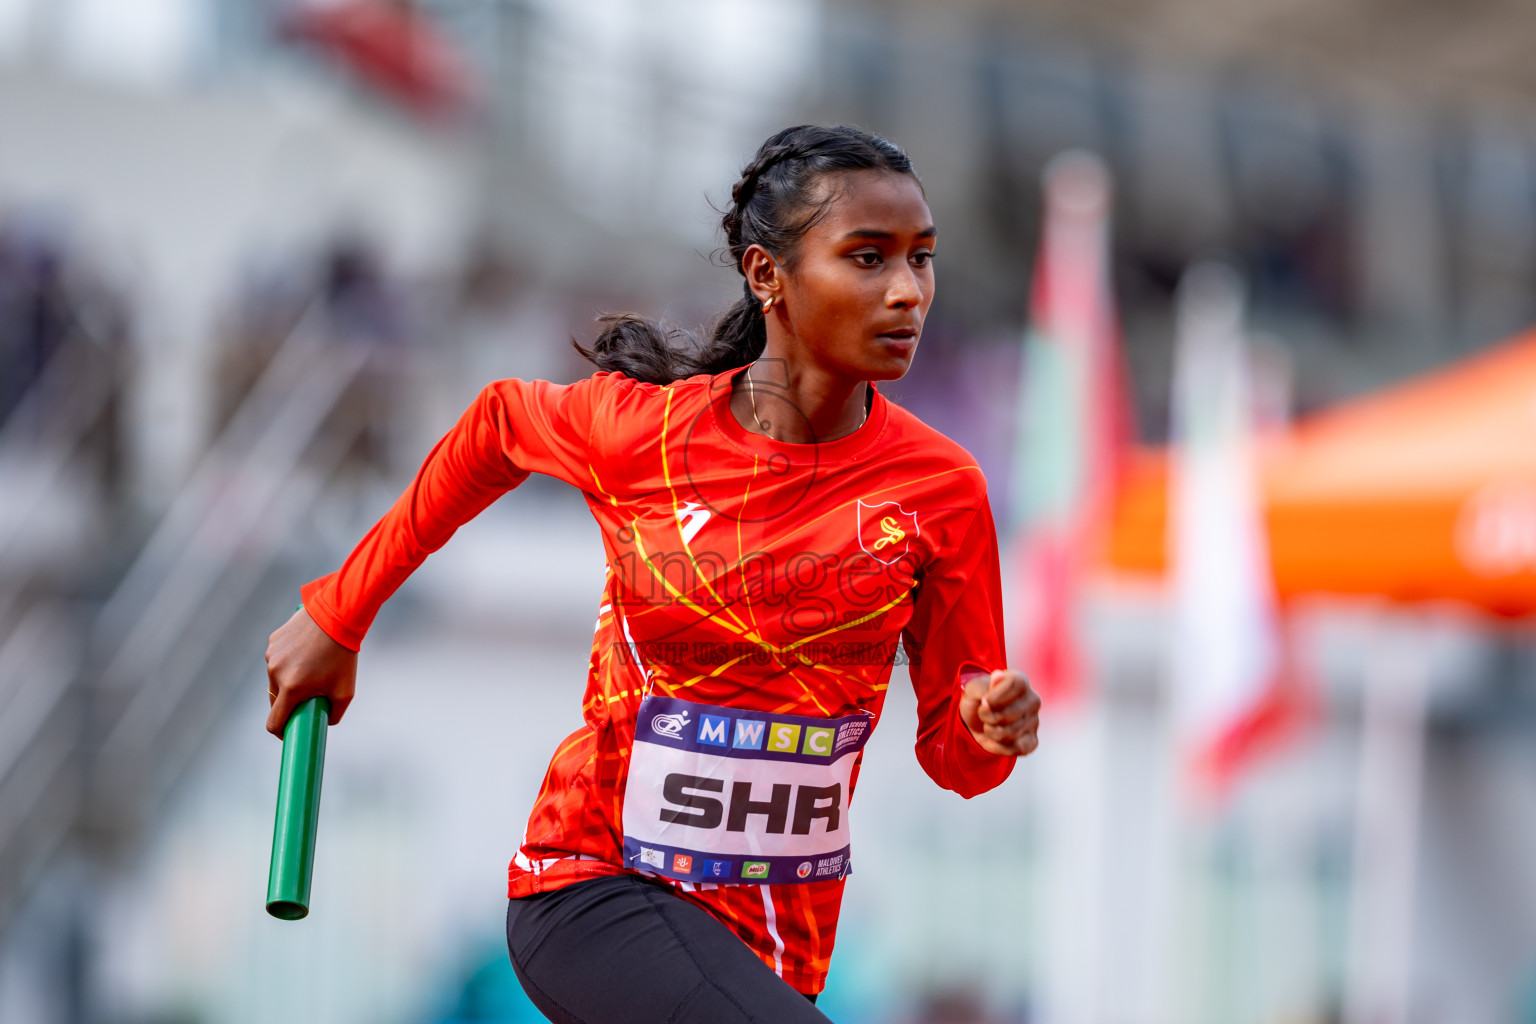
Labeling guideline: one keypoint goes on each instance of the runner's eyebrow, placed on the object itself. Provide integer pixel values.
(876, 235)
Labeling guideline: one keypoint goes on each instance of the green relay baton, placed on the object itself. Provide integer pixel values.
(298, 811)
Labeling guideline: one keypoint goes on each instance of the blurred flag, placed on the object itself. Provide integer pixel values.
(1233, 697)
(1071, 420)
(391, 46)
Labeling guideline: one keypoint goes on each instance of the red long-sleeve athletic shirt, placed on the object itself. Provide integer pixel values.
(743, 573)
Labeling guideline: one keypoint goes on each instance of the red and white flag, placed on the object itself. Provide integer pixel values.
(1071, 423)
(1233, 694)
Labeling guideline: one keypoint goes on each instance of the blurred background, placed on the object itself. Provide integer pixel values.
(1230, 312)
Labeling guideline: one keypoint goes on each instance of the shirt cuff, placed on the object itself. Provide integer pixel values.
(319, 609)
(975, 768)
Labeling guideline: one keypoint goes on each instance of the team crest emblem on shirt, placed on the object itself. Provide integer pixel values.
(886, 530)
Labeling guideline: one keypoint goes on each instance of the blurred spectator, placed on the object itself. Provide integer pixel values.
(361, 303)
(363, 307)
(267, 308)
(509, 326)
(53, 308)
(355, 304)
(34, 319)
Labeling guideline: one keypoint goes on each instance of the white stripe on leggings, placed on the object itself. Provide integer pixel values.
(773, 930)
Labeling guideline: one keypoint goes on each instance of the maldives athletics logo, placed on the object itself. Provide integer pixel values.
(886, 530)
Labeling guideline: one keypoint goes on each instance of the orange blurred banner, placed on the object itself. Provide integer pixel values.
(1426, 491)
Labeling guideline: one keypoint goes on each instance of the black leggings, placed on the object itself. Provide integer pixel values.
(624, 950)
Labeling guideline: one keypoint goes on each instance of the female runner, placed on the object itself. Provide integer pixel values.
(773, 527)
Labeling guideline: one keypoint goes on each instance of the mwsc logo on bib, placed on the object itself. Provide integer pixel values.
(755, 734)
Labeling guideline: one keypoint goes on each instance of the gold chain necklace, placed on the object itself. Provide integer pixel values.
(764, 426)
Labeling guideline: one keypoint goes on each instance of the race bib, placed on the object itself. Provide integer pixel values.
(718, 794)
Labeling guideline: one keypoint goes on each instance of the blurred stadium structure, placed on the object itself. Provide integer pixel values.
(254, 257)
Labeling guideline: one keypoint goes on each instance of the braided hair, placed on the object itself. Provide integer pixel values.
(778, 198)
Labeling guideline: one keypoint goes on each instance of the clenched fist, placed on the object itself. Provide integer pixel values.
(1002, 712)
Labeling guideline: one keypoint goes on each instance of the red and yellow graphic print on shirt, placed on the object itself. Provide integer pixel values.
(746, 574)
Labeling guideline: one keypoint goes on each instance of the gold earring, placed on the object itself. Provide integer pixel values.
(767, 304)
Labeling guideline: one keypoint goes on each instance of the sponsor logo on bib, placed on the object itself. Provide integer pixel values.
(830, 867)
(682, 864)
(804, 870)
(755, 869)
(655, 858)
(670, 725)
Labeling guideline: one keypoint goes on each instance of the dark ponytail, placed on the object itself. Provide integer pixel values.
(773, 204)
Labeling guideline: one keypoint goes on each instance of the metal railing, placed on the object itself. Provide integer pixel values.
(41, 439)
(91, 753)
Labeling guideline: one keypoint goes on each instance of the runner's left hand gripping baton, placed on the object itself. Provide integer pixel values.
(298, 810)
